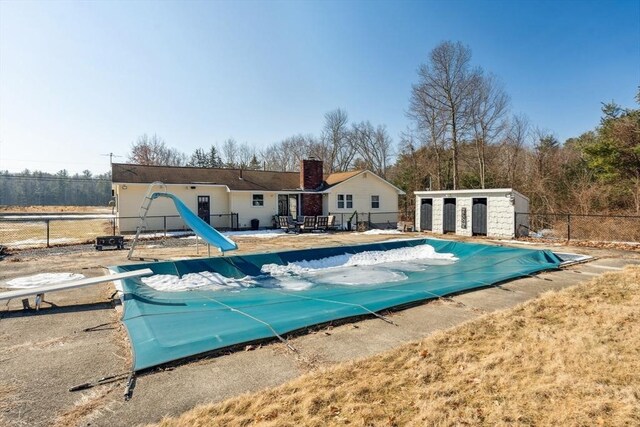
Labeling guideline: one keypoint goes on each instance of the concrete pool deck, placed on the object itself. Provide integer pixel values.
(43, 355)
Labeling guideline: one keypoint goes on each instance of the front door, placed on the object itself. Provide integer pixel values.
(479, 216)
(204, 209)
(449, 216)
(426, 215)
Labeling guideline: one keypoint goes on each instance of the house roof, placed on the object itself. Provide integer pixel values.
(338, 177)
(234, 179)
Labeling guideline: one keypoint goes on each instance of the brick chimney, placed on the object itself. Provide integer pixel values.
(311, 174)
(311, 179)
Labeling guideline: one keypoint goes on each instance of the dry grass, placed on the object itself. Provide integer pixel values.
(88, 405)
(567, 358)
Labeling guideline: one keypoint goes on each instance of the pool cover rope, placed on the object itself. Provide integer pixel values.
(379, 316)
(280, 337)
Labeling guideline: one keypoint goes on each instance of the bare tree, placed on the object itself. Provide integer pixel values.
(431, 131)
(230, 153)
(444, 90)
(513, 146)
(245, 155)
(335, 138)
(373, 145)
(287, 154)
(488, 109)
(154, 151)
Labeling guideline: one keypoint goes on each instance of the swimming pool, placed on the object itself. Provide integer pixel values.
(243, 298)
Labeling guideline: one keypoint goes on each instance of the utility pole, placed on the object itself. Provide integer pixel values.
(111, 156)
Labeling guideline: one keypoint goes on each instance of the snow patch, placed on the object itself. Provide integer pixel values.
(374, 231)
(193, 281)
(42, 279)
(370, 258)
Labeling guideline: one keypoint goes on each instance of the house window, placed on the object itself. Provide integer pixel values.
(345, 201)
(375, 202)
(257, 200)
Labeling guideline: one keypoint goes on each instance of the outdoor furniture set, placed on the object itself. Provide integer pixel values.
(308, 224)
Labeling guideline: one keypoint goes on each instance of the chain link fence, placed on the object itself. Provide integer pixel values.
(27, 231)
(579, 227)
(362, 221)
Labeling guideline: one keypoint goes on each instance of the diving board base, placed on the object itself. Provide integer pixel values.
(40, 291)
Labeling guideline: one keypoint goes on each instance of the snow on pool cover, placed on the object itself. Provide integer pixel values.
(385, 266)
(243, 298)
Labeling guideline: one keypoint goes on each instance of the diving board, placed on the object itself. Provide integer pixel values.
(39, 292)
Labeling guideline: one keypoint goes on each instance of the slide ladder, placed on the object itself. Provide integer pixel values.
(142, 214)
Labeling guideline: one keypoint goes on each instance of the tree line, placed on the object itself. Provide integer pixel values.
(340, 145)
(46, 189)
(462, 134)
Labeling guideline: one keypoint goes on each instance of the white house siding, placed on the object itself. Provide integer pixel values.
(500, 210)
(241, 203)
(130, 199)
(362, 187)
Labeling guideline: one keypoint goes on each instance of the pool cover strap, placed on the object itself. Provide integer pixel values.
(167, 326)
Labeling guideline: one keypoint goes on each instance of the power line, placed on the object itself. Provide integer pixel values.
(54, 178)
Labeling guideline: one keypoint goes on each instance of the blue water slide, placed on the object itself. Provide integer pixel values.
(201, 228)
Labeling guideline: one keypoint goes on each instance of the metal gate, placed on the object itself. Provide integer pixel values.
(426, 215)
(204, 209)
(449, 216)
(479, 216)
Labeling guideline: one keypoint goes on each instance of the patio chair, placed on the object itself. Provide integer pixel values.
(309, 224)
(322, 222)
(286, 224)
(331, 222)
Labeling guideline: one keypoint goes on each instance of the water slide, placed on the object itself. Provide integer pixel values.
(201, 228)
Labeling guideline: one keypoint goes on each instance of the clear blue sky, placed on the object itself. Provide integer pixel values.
(80, 79)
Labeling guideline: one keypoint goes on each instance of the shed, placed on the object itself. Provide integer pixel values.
(486, 212)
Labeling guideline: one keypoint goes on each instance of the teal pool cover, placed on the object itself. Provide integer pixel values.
(168, 326)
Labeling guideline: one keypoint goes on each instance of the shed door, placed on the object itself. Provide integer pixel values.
(426, 215)
(479, 216)
(204, 209)
(449, 216)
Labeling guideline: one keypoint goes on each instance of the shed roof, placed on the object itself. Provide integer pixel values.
(468, 192)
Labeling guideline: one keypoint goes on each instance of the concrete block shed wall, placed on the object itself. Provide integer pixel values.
(500, 210)
(437, 216)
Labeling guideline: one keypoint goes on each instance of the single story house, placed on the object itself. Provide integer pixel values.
(232, 198)
(498, 212)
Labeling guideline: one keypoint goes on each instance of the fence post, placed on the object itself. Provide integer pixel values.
(113, 221)
(164, 224)
(47, 222)
(568, 227)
